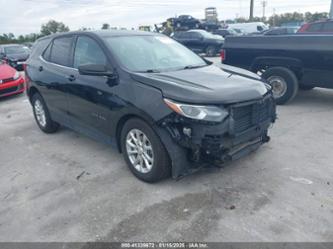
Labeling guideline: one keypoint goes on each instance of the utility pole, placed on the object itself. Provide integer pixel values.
(251, 9)
(274, 13)
(264, 4)
(331, 10)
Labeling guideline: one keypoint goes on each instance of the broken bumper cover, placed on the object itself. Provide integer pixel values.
(205, 144)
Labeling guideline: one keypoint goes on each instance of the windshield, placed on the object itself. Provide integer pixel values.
(152, 53)
(15, 50)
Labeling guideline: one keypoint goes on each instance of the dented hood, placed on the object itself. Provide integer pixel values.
(206, 85)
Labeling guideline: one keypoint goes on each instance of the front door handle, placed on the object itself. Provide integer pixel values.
(71, 78)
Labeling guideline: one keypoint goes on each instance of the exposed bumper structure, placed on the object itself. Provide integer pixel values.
(207, 144)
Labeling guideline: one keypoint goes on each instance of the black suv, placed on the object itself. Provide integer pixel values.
(200, 41)
(164, 107)
(15, 55)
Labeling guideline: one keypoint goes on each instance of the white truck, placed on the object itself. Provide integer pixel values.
(251, 27)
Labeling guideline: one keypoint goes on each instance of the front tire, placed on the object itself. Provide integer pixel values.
(144, 152)
(284, 83)
(42, 115)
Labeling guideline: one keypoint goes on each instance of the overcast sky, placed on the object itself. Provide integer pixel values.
(26, 16)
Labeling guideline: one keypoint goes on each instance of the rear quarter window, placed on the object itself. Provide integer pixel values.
(61, 50)
(47, 53)
(39, 47)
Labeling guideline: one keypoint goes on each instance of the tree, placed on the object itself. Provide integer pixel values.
(106, 26)
(52, 27)
(277, 20)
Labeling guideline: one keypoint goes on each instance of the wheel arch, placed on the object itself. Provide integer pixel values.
(264, 63)
(123, 120)
(178, 156)
(31, 92)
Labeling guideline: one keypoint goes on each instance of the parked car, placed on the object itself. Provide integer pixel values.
(11, 82)
(225, 32)
(286, 62)
(248, 28)
(281, 31)
(15, 55)
(319, 27)
(186, 22)
(200, 41)
(166, 109)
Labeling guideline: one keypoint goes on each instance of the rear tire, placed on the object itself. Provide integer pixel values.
(136, 137)
(42, 115)
(284, 83)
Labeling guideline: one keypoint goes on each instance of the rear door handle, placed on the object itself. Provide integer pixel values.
(40, 69)
(71, 78)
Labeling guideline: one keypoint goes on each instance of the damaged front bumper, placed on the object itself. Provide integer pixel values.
(194, 144)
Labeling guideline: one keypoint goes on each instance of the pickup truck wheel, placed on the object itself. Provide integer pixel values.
(211, 51)
(283, 82)
(42, 115)
(144, 152)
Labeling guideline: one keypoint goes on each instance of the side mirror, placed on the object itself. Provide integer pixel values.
(95, 70)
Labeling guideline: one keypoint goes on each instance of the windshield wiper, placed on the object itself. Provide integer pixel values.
(193, 66)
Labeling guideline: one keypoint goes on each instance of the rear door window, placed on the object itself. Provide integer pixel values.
(61, 51)
(87, 51)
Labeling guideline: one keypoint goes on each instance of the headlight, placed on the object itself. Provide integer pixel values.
(207, 113)
(16, 76)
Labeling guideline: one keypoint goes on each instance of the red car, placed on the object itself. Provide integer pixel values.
(319, 27)
(11, 82)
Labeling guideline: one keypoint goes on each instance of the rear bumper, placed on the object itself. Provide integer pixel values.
(13, 87)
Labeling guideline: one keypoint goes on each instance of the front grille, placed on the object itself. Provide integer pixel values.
(247, 116)
(8, 90)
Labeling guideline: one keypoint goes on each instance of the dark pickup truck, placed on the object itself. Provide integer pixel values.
(288, 63)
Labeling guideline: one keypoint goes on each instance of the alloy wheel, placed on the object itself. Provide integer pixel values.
(139, 150)
(40, 113)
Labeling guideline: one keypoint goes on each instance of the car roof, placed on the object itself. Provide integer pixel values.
(105, 33)
(321, 21)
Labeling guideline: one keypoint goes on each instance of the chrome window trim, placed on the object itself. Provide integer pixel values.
(48, 62)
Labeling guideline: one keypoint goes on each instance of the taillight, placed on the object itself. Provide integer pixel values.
(222, 54)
